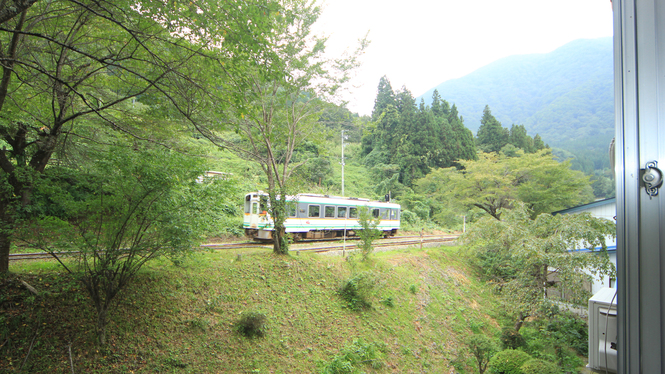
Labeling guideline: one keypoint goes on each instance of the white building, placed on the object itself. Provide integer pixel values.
(606, 209)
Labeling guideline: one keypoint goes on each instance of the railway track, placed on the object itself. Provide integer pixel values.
(306, 246)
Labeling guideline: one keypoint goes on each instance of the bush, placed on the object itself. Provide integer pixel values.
(251, 324)
(509, 361)
(511, 338)
(355, 355)
(482, 349)
(570, 330)
(357, 291)
(536, 366)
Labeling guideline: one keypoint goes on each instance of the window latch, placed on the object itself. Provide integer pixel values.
(652, 178)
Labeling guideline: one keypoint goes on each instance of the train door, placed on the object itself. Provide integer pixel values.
(254, 214)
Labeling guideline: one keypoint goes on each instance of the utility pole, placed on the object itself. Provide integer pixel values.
(342, 163)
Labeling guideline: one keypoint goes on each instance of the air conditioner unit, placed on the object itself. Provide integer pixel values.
(603, 331)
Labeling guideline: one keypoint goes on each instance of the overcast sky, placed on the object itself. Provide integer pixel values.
(422, 43)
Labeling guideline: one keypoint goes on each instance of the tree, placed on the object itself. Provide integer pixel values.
(535, 247)
(12, 8)
(66, 62)
(496, 181)
(416, 138)
(123, 209)
(482, 348)
(520, 139)
(368, 232)
(278, 104)
(385, 97)
(491, 135)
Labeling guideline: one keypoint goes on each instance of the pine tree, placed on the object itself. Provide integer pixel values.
(519, 138)
(437, 108)
(491, 135)
(538, 143)
(385, 96)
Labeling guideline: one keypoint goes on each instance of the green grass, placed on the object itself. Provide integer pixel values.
(181, 319)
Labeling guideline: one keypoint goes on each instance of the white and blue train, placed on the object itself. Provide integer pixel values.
(314, 216)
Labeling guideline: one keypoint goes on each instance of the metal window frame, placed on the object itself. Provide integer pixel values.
(639, 77)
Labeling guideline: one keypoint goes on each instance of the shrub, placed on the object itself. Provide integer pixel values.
(357, 291)
(409, 216)
(509, 361)
(482, 349)
(251, 324)
(511, 338)
(536, 366)
(388, 301)
(355, 355)
(570, 330)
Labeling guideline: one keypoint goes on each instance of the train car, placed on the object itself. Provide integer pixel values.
(314, 216)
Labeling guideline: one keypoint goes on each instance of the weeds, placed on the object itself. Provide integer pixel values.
(354, 356)
(251, 324)
(357, 291)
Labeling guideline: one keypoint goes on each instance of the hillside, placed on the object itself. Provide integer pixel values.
(566, 95)
(180, 318)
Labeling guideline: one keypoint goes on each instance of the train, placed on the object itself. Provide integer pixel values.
(314, 216)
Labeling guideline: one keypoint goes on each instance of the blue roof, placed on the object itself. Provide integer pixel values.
(610, 248)
(584, 207)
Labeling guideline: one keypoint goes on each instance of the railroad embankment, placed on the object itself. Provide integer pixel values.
(417, 309)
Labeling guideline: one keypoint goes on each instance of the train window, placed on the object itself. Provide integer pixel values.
(393, 214)
(315, 211)
(329, 212)
(290, 210)
(255, 208)
(353, 212)
(375, 212)
(385, 213)
(341, 212)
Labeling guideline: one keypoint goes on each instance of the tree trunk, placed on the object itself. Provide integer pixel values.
(520, 321)
(5, 244)
(101, 326)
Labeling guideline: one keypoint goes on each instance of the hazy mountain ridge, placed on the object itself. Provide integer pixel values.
(566, 95)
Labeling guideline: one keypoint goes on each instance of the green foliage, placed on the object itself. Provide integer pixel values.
(558, 337)
(482, 348)
(357, 291)
(413, 289)
(415, 139)
(388, 301)
(251, 324)
(368, 232)
(278, 105)
(511, 338)
(492, 137)
(527, 248)
(508, 362)
(353, 357)
(536, 366)
(137, 205)
(143, 69)
(495, 181)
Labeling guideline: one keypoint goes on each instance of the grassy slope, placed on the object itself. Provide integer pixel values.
(179, 319)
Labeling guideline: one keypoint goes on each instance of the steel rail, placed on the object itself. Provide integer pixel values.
(396, 241)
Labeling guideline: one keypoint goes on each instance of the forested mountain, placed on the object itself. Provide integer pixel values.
(565, 96)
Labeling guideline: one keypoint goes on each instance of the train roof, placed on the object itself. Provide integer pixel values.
(337, 200)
